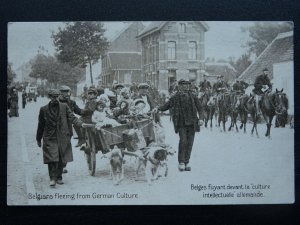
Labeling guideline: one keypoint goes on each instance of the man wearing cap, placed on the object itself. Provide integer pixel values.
(262, 85)
(53, 129)
(65, 93)
(117, 95)
(90, 105)
(205, 84)
(239, 86)
(185, 106)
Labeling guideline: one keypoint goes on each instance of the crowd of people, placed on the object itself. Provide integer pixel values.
(121, 105)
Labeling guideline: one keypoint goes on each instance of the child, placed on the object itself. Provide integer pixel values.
(138, 109)
(122, 112)
(100, 117)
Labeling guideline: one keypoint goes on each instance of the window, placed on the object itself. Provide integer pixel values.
(171, 50)
(192, 50)
(182, 28)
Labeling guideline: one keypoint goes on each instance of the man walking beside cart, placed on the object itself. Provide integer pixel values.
(185, 106)
(53, 130)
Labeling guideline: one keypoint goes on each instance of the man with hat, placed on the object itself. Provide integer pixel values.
(185, 105)
(239, 86)
(90, 105)
(262, 85)
(221, 85)
(205, 84)
(117, 95)
(65, 93)
(53, 129)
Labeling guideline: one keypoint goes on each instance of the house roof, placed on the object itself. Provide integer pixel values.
(281, 49)
(218, 68)
(157, 25)
(125, 60)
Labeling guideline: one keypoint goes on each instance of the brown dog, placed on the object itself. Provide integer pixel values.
(154, 159)
(115, 157)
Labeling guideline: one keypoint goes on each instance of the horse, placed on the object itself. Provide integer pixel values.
(233, 111)
(246, 105)
(223, 106)
(273, 104)
(208, 105)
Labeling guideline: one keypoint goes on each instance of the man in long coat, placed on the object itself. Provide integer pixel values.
(185, 105)
(53, 129)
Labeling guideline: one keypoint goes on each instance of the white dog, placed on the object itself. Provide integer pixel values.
(154, 160)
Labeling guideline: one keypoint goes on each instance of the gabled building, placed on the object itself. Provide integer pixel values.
(278, 58)
(172, 50)
(122, 62)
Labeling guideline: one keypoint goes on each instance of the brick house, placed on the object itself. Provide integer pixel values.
(122, 62)
(172, 50)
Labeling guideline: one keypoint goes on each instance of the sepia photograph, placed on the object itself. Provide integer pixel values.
(150, 113)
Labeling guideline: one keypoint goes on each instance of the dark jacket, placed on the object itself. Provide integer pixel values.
(72, 105)
(87, 112)
(54, 130)
(74, 109)
(184, 106)
(260, 81)
(204, 85)
(220, 85)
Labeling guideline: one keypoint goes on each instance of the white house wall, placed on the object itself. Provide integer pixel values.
(283, 77)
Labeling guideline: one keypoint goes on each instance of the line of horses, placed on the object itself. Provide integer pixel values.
(232, 104)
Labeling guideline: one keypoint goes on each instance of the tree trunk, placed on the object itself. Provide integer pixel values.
(91, 74)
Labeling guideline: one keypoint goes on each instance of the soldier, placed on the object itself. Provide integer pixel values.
(239, 86)
(205, 84)
(185, 106)
(262, 85)
(53, 129)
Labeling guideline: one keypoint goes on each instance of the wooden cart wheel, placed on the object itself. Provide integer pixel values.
(90, 154)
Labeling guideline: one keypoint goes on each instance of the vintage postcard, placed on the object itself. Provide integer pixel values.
(150, 113)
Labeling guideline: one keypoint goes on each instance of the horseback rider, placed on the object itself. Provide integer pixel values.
(220, 87)
(239, 86)
(205, 84)
(262, 85)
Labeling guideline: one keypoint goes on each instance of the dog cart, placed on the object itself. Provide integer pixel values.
(106, 138)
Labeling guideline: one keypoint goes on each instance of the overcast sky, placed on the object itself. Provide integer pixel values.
(224, 39)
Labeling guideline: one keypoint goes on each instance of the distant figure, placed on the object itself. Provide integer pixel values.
(14, 106)
(24, 97)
